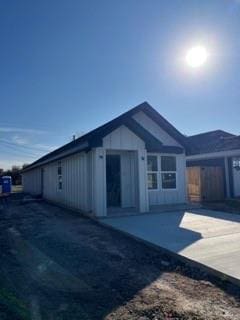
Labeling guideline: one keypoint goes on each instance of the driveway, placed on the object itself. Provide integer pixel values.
(209, 237)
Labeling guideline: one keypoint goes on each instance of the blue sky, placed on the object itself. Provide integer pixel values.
(69, 66)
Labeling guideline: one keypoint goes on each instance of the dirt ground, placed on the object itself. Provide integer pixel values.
(56, 264)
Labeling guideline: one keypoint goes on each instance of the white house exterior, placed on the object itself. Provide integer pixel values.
(132, 162)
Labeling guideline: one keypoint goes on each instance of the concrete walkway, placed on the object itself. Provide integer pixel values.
(209, 237)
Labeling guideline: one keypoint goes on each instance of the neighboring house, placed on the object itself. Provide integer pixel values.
(135, 161)
(218, 149)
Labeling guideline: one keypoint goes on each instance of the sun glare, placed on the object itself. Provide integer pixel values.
(196, 56)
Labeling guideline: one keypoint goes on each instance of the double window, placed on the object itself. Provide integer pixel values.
(59, 174)
(161, 172)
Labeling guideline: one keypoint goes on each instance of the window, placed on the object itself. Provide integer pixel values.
(236, 163)
(59, 182)
(152, 163)
(152, 166)
(59, 168)
(169, 180)
(168, 175)
(152, 181)
(168, 163)
(59, 172)
(164, 174)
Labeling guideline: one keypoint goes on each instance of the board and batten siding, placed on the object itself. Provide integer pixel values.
(129, 177)
(236, 182)
(75, 182)
(84, 174)
(168, 196)
(123, 139)
(32, 181)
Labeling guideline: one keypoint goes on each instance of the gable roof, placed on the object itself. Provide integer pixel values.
(212, 141)
(94, 138)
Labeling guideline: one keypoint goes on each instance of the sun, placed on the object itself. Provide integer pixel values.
(196, 56)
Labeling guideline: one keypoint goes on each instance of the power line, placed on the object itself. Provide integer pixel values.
(21, 151)
(22, 146)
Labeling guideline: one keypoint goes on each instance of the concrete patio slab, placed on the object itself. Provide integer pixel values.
(207, 237)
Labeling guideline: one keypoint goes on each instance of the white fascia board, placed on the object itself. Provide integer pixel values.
(60, 155)
(221, 154)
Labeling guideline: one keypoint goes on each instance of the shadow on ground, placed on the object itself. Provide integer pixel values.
(147, 227)
(218, 214)
(55, 265)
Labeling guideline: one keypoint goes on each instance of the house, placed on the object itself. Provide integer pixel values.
(135, 161)
(217, 149)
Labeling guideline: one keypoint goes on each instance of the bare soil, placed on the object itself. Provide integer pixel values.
(59, 265)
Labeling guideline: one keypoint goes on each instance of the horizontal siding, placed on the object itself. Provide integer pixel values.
(32, 181)
(75, 182)
(163, 196)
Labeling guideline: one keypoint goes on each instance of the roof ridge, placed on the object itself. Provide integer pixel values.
(93, 137)
(212, 131)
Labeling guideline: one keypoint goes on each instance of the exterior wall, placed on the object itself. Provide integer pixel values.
(32, 181)
(142, 181)
(99, 196)
(123, 139)
(84, 174)
(75, 182)
(129, 179)
(236, 181)
(178, 195)
(154, 129)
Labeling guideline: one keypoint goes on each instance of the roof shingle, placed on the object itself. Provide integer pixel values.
(94, 137)
(213, 141)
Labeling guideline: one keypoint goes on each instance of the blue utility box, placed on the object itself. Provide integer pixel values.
(6, 182)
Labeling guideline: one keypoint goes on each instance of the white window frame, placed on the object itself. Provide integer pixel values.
(159, 172)
(155, 172)
(169, 189)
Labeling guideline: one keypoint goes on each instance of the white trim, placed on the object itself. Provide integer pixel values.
(159, 172)
(155, 172)
(211, 155)
(142, 181)
(227, 177)
(176, 172)
(59, 157)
